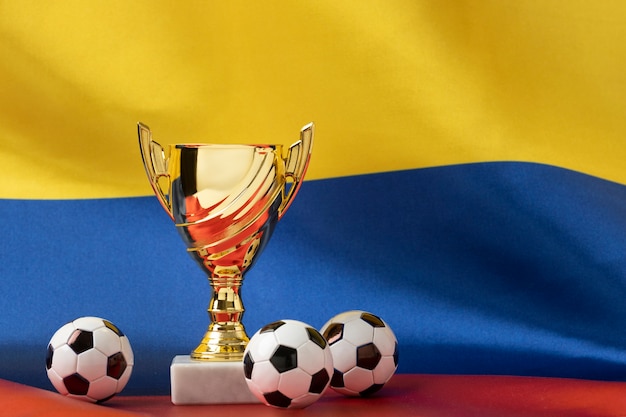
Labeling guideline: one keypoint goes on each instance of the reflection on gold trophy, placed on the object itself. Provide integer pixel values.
(225, 201)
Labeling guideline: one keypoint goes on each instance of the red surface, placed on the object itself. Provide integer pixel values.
(21, 400)
(405, 395)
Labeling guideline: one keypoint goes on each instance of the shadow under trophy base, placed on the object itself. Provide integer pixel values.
(225, 201)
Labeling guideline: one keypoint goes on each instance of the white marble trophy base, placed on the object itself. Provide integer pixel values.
(198, 382)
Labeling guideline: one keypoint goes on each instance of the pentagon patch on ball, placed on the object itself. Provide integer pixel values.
(365, 352)
(288, 364)
(89, 359)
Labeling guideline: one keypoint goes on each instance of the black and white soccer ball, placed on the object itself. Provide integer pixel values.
(288, 364)
(365, 352)
(89, 359)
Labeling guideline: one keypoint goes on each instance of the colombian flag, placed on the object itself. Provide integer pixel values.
(466, 184)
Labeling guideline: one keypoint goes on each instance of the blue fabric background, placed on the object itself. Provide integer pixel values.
(494, 268)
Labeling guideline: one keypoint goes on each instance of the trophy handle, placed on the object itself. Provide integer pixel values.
(155, 163)
(296, 165)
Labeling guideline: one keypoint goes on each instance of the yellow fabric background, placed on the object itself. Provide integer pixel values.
(390, 85)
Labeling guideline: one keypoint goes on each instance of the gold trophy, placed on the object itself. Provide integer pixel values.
(225, 201)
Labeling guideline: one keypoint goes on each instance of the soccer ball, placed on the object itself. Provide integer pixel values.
(89, 359)
(365, 352)
(288, 364)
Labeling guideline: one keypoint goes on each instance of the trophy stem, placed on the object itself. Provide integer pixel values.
(225, 339)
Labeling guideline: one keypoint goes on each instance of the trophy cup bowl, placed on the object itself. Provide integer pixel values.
(225, 201)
